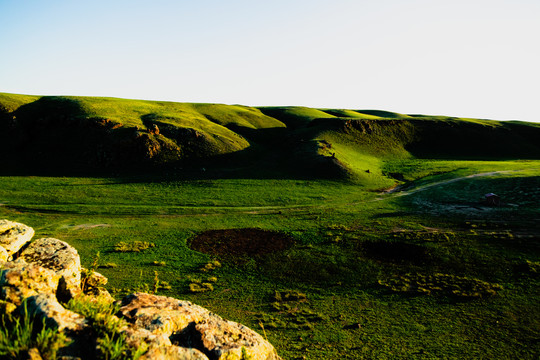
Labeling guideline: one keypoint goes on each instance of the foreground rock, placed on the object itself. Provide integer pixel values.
(20, 280)
(59, 257)
(173, 352)
(185, 323)
(48, 272)
(13, 236)
(46, 307)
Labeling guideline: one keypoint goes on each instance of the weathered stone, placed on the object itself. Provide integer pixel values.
(45, 306)
(100, 293)
(188, 324)
(135, 337)
(227, 340)
(3, 254)
(160, 314)
(19, 280)
(93, 278)
(173, 353)
(59, 257)
(13, 236)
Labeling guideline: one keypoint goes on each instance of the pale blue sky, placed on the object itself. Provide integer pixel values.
(475, 58)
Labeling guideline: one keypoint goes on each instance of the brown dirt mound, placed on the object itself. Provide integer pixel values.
(240, 243)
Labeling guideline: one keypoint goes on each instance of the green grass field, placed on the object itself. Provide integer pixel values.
(345, 240)
(341, 234)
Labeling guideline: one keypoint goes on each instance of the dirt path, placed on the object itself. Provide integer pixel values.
(398, 192)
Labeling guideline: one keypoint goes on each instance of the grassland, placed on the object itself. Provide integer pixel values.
(313, 252)
(345, 240)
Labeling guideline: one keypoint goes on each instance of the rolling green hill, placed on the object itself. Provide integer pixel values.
(89, 134)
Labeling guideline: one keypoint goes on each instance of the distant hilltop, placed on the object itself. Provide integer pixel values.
(65, 135)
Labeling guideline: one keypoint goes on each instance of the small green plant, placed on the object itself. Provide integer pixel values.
(529, 267)
(533, 266)
(292, 311)
(18, 335)
(135, 246)
(164, 285)
(87, 273)
(197, 286)
(109, 265)
(111, 341)
(289, 295)
(99, 311)
(156, 283)
(210, 266)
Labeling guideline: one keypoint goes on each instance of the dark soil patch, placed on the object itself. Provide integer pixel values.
(397, 252)
(240, 243)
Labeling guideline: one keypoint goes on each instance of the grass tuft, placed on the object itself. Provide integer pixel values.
(18, 334)
(134, 246)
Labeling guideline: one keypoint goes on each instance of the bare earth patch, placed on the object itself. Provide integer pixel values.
(240, 243)
(86, 226)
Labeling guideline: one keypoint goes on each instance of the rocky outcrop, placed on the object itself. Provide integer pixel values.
(185, 323)
(47, 274)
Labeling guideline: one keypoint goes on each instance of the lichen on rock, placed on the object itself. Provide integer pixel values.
(20, 280)
(13, 236)
(3, 254)
(59, 257)
(160, 314)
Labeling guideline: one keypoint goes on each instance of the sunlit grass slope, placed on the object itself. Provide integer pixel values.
(11, 102)
(295, 116)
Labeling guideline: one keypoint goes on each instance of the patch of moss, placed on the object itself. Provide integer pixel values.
(210, 266)
(135, 246)
(441, 284)
(200, 287)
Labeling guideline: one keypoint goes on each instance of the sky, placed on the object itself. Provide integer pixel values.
(468, 58)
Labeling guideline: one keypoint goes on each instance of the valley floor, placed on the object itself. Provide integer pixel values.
(324, 269)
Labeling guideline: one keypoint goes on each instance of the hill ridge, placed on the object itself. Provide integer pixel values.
(94, 134)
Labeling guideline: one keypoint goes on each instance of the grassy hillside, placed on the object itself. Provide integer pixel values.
(76, 132)
(68, 135)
